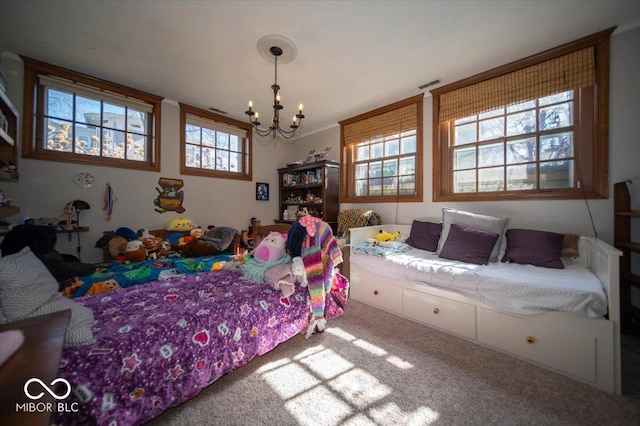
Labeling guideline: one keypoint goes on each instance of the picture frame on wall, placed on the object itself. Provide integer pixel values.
(262, 191)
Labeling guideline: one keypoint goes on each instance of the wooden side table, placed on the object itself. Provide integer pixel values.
(38, 357)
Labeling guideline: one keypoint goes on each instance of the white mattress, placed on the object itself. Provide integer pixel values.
(511, 287)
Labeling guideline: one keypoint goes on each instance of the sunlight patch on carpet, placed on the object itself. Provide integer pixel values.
(359, 388)
(327, 364)
(390, 414)
(319, 406)
(290, 380)
(338, 332)
(399, 362)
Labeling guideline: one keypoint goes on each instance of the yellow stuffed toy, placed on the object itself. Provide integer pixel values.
(180, 224)
(385, 236)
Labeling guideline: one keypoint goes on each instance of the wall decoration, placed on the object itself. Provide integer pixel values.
(262, 191)
(109, 199)
(83, 179)
(170, 196)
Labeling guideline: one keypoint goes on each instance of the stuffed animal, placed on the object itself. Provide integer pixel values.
(297, 268)
(117, 245)
(180, 224)
(271, 248)
(570, 246)
(135, 251)
(385, 236)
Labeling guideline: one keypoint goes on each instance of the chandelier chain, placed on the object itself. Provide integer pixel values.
(275, 128)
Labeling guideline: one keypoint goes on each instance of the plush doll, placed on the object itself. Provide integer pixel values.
(570, 246)
(117, 245)
(180, 224)
(271, 248)
(385, 236)
(297, 268)
(135, 251)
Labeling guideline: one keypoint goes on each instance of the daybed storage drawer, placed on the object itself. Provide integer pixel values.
(558, 348)
(446, 314)
(377, 293)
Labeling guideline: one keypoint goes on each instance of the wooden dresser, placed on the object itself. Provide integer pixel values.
(38, 357)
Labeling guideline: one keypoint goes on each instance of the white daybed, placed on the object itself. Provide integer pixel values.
(584, 348)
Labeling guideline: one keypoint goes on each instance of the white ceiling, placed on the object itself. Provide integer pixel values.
(353, 56)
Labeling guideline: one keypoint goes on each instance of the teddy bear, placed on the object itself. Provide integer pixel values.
(297, 268)
(570, 246)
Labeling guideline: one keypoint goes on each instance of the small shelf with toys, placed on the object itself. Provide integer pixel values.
(312, 188)
(8, 139)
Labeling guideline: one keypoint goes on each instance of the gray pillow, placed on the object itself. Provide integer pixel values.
(468, 245)
(496, 225)
(27, 289)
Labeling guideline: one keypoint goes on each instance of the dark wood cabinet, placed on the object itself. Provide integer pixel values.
(624, 216)
(311, 186)
(8, 140)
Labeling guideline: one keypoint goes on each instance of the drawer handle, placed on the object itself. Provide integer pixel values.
(436, 311)
(530, 339)
(375, 292)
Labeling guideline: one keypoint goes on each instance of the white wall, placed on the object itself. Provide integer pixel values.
(46, 186)
(570, 216)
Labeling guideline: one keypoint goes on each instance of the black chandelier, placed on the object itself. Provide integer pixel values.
(275, 128)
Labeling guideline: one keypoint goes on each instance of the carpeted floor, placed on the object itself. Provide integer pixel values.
(373, 368)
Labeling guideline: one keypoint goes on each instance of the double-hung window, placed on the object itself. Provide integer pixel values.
(77, 118)
(213, 145)
(381, 155)
(536, 128)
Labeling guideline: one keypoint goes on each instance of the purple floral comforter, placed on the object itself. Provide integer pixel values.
(159, 344)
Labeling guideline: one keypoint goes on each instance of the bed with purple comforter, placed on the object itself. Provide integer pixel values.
(157, 345)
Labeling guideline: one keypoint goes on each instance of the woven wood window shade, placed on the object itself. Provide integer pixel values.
(568, 72)
(392, 122)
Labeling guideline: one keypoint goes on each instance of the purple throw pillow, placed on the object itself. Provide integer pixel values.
(424, 235)
(468, 245)
(531, 247)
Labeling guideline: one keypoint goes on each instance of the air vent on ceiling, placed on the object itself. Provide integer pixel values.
(429, 84)
(219, 111)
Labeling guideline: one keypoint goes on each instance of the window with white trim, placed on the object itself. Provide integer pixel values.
(77, 118)
(213, 145)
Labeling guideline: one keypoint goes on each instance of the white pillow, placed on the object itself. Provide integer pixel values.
(497, 225)
(27, 289)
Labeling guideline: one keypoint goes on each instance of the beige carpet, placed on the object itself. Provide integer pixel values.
(374, 368)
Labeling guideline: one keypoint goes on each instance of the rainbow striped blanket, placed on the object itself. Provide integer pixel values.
(320, 254)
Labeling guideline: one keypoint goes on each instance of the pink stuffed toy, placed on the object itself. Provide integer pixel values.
(271, 248)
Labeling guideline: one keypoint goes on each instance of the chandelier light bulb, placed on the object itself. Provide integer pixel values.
(281, 48)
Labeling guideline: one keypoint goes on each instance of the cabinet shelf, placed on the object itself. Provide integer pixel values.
(8, 211)
(628, 245)
(319, 180)
(4, 137)
(623, 218)
(630, 213)
(8, 138)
